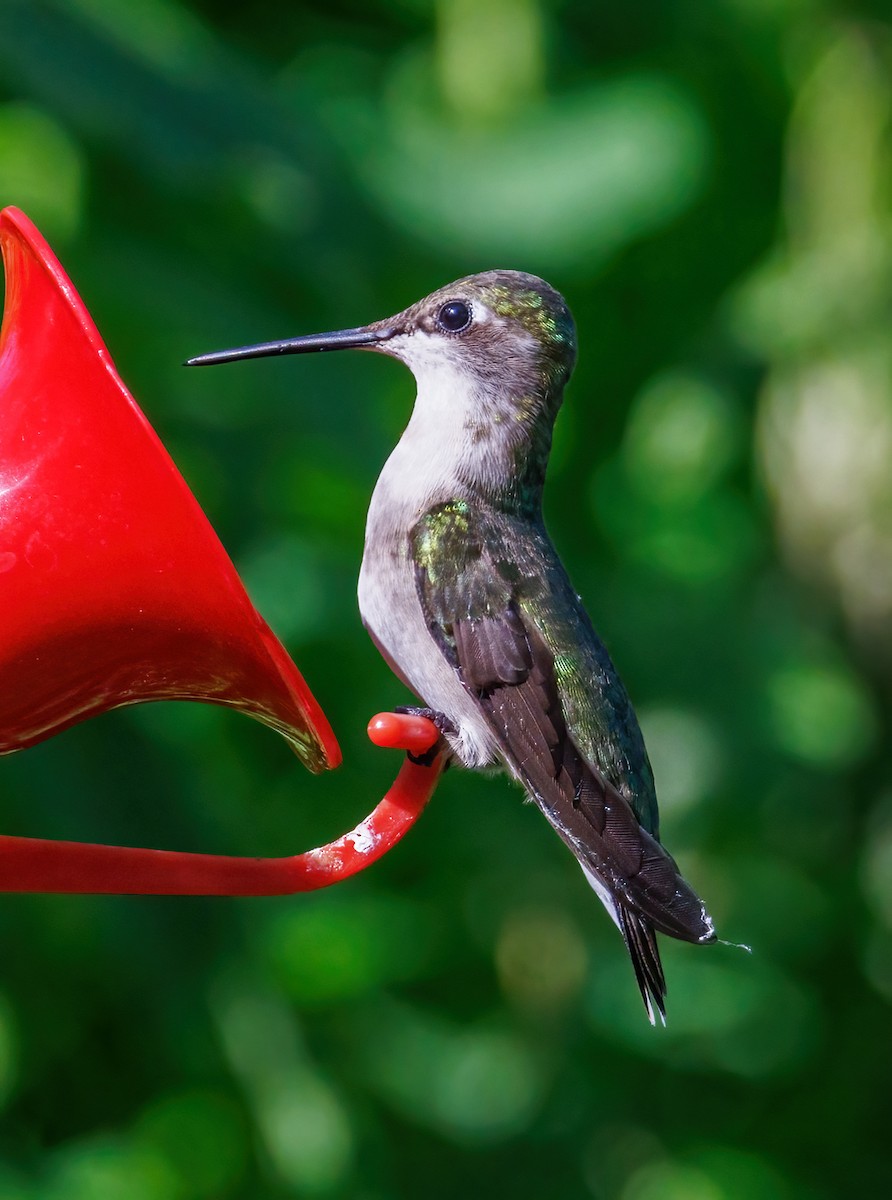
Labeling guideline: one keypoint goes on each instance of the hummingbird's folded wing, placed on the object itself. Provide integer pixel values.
(475, 616)
(584, 810)
(506, 664)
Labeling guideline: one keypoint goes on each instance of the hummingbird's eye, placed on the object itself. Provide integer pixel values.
(454, 316)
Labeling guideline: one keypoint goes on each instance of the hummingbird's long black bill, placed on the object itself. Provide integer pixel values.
(341, 339)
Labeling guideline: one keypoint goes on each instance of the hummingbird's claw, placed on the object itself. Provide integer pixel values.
(440, 720)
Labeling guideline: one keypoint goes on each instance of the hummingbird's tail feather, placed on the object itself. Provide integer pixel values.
(641, 943)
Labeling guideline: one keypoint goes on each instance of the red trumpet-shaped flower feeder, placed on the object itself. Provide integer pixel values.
(114, 589)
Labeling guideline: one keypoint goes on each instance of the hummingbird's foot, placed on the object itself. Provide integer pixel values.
(443, 724)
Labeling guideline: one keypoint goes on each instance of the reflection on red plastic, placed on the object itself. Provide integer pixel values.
(115, 590)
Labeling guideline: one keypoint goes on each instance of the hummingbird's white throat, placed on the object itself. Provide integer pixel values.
(458, 433)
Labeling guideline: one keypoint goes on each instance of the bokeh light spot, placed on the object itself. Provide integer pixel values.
(683, 435)
(821, 713)
(671, 1181)
(307, 1133)
(490, 55)
(472, 1084)
(202, 1137)
(541, 959)
(41, 169)
(686, 754)
(107, 1169)
(347, 945)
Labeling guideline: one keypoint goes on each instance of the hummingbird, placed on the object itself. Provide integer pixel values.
(463, 593)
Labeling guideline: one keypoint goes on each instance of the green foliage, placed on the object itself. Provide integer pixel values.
(709, 186)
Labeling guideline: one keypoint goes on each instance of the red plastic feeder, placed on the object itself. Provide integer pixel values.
(115, 590)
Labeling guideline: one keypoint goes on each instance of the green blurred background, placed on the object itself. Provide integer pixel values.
(709, 185)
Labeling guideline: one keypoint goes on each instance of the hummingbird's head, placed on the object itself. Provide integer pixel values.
(504, 330)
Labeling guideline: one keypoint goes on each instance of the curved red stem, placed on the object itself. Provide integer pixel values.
(38, 865)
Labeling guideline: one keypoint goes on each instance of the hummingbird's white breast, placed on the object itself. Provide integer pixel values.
(426, 468)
